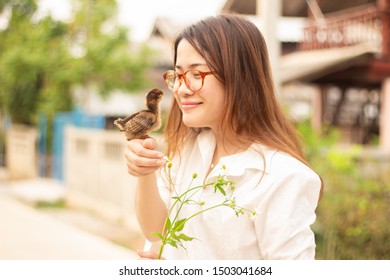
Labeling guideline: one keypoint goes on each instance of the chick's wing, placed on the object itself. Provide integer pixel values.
(141, 123)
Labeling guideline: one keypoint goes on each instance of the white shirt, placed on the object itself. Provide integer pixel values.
(283, 191)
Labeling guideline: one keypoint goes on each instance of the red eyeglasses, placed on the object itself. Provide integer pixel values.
(194, 79)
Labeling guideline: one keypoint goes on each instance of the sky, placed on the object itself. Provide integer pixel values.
(139, 15)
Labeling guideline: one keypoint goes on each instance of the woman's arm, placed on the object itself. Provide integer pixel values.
(150, 209)
(143, 160)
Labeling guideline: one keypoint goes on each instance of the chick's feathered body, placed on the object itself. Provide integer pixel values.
(138, 125)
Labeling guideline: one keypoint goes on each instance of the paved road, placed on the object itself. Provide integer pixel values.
(26, 233)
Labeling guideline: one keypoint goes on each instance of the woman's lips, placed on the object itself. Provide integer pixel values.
(189, 105)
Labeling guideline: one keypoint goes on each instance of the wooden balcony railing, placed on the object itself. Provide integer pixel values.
(364, 24)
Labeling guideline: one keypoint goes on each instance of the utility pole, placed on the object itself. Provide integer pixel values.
(270, 13)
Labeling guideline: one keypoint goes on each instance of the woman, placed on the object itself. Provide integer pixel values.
(225, 113)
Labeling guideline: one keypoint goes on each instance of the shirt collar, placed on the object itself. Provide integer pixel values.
(257, 157)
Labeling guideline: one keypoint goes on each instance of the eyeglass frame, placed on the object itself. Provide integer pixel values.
(183, 76)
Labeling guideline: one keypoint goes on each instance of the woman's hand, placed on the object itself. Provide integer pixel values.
(148, 255)
(142, 157)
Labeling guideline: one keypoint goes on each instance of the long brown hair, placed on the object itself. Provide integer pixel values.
(236, 51)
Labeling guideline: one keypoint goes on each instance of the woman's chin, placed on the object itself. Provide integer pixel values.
(192, 122)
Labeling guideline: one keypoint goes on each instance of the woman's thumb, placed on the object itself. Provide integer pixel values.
(150, 143)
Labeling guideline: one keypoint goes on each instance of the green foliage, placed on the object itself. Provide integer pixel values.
(353, 214)
(172, 232)
(107, 61)
(42, 59)
(59, 204)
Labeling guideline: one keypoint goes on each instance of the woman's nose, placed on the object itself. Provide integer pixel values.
(184, 90)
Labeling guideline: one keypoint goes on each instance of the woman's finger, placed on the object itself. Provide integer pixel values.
(148, 255)
(143, 161)
(144, 149)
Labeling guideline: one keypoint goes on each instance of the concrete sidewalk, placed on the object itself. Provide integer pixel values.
(26, 233)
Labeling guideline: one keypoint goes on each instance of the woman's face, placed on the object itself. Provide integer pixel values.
(203, 108)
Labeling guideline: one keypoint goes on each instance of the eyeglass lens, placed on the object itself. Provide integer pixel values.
(192, 78)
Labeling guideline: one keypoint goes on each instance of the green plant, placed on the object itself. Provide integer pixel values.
(173, 229)
(58, 204)
(352, 216)
(42, 60)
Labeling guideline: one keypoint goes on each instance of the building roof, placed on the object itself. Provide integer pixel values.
(290, 29)
(294, 8)
(307, 66)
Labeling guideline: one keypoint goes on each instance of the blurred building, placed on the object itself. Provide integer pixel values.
(344, 56)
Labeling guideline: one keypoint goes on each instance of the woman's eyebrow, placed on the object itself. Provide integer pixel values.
(192, 66)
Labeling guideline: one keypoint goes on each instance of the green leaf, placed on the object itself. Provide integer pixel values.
(219, 186)
(222, 190)
(158, 234)
(168, 223)
(215, 187)
(179, 225)
(172, 243)
(184, 237)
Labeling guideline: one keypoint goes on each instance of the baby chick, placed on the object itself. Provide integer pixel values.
(138, 125)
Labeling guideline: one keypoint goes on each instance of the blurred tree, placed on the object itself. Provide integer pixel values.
(41, 59)
(20, 71)
(104, 61)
